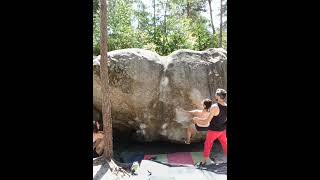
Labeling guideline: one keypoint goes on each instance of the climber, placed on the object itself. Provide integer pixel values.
(201, 113)
(98, 140)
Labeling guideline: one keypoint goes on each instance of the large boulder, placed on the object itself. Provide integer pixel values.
(147, 90)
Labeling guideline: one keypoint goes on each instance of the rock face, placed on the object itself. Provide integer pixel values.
(147, 90)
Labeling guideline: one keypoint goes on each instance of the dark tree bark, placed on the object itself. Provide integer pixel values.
(221, 12)
(106, 103)
(211, 19)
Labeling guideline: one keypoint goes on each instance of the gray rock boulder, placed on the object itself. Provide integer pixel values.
(147, 90)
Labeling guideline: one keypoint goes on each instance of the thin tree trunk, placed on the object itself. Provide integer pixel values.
(188, 8)
(221, 11)
(154, 20)
(106, 103)
(199, 37)
(165, 28)
(165, 19)
(213, 31)
(199, 44)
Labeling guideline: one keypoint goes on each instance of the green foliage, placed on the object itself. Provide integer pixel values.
(96, 33)
(224, 40)
(224, 14)
(95, 6)
(201, 33)
(130, 25)
(121, 33)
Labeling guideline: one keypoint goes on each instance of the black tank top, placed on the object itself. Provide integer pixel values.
(219, 123)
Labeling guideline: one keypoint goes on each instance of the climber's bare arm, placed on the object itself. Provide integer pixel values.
(193, 112)
(213, 112)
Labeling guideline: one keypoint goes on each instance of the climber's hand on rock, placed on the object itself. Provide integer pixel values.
(179, 109)
(194, 120)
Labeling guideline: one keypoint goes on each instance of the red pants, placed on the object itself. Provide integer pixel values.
(211, 137)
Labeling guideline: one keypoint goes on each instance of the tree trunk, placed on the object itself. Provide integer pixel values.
(221, 12)
(213, 31)
(199, 44)
(165, 28)
(188, 8)
(154, 20)
(106, 103)
(165, 19)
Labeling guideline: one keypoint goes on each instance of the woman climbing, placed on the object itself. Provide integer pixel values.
(203, 113)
